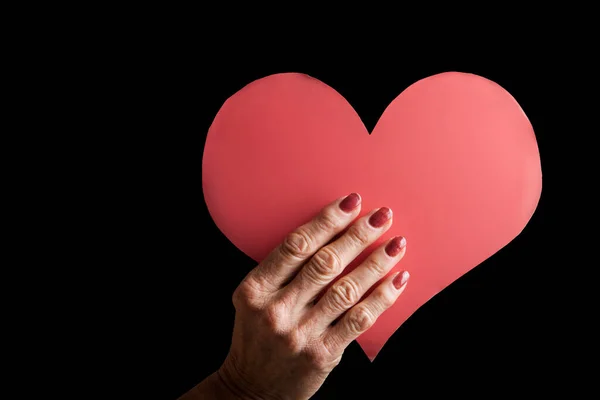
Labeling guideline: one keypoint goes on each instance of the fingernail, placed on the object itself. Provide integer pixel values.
(350, 202)
(401, 279)
(379, 219)
(395, 245)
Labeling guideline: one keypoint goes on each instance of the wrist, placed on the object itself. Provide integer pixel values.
(237, 385)
(229, 382)
(212, 387)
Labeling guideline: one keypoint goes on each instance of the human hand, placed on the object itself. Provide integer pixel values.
(284, 342)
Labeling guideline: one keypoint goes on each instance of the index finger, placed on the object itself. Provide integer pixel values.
(282, 264)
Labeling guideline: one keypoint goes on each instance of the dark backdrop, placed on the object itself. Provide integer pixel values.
(484, 333)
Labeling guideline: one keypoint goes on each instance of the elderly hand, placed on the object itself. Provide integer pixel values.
(284, 342)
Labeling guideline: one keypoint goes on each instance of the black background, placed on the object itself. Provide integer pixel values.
(487, 332)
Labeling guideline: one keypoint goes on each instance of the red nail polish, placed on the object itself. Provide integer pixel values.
(379, 219)
(395, 245)
(350, 202)
(401, 279)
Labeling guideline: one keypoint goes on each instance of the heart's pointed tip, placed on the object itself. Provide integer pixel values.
(371, 356)
(369, 351)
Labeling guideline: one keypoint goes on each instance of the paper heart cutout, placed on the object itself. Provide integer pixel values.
(454, 156)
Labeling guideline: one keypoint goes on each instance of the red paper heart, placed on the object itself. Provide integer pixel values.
(454, 157)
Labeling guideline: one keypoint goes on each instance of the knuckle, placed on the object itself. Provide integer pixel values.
(246, 296)
(327, 221)
(237, 298)
(359, 236)
(360, 320)
(376, 266)
(332, 346)
(326, 262)
(273, 317)
(385, 299)
(297, 244)
(344, 294)
(322, 360)
(294, 341)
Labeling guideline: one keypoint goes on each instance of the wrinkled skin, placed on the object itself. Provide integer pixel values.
(284, 342)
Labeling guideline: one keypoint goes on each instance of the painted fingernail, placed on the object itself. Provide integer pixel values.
(350, 202)
(401, 279)
(395, 245)
(379, 219)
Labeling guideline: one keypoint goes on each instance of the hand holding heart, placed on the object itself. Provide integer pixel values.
(287, 338)
(454, 156)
